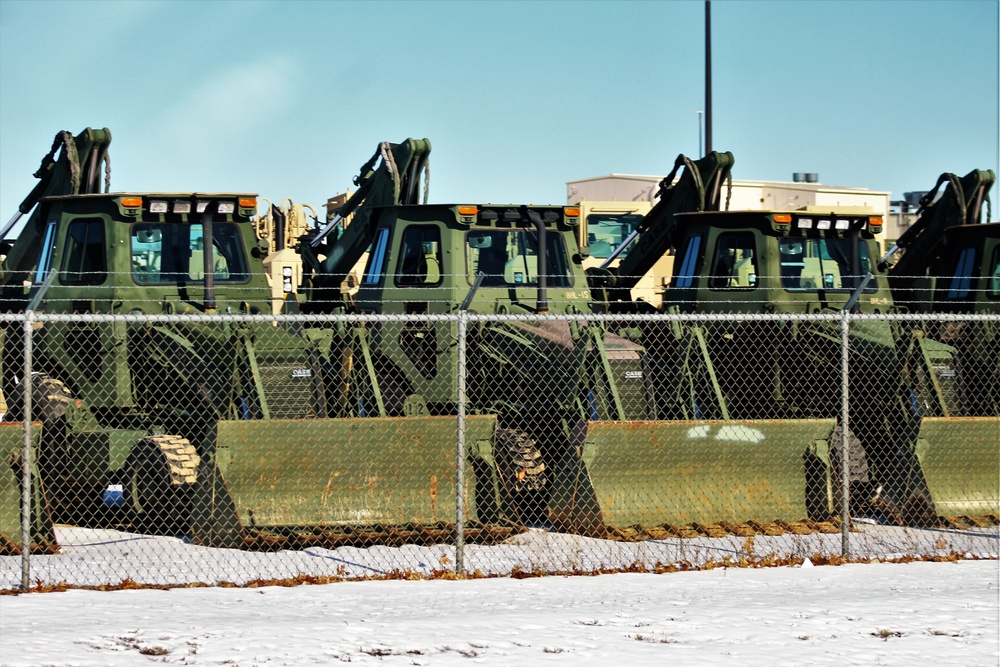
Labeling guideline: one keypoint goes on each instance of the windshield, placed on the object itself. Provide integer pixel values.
(509, 258)
(605, 232)
(822, 264)
(171, 253)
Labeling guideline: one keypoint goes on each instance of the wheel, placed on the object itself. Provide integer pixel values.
(522, 474)
(160, 474)
(50, 398)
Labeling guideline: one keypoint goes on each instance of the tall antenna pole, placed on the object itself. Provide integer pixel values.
(700, 154)
(708, 76)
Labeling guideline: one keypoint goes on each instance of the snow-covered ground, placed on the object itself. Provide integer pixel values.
(945, 613)
(878, 614)
(101, 557)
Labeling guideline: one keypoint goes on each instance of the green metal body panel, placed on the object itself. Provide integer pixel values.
(960, 457)
(100, 451)
(652, 473)
(322, 472)
(11, 449)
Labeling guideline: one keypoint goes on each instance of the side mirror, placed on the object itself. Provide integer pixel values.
(148, 235)
(480, 241)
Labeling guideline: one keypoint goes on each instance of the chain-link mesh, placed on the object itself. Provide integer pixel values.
(232, 448)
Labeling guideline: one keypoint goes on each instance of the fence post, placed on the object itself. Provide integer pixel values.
(845, 474)
(26, 458)
(463, 324)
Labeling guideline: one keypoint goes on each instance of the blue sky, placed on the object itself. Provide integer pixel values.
(288, 99)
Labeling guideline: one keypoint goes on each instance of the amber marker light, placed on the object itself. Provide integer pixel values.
(248, 202)
(783, 218)
(468, 210)
(132, 202)
(572, 212)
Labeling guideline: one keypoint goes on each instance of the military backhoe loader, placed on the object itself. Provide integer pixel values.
(912, 469)
(800, 262)
(948, 262)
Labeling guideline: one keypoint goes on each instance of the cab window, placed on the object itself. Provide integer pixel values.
(84, 261)
(689, 265)
(420, 257)
(376, 259)
(961, 275)
(48, 249)
(605, 232)
(734, 264)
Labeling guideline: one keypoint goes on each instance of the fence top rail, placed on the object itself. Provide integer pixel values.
(470, 316)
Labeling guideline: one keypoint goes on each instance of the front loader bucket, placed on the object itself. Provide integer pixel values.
(960, 459)
(651, 473)
(337, 472)
(11, 467)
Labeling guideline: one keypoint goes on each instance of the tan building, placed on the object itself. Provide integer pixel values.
(746, 195)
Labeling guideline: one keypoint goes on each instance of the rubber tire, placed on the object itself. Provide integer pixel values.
(50, 398)
(522, 474)
(160, 475)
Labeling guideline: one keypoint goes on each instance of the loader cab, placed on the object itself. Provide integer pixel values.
(106, 253)
(754, 261)
(426, 258)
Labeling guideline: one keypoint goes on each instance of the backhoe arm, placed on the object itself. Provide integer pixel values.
(76, 170)
(698, 189)
(961, 203)
(390, 178)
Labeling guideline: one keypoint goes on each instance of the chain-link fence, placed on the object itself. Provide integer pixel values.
(173, 449)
